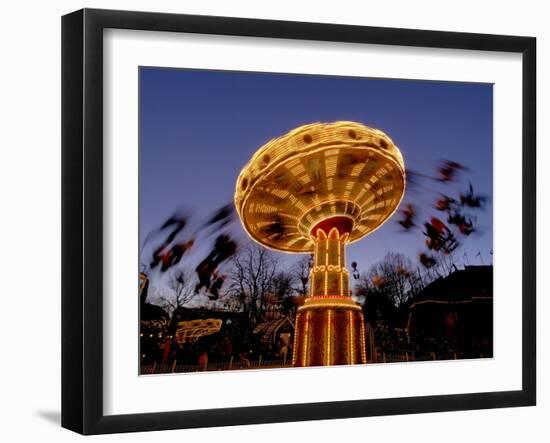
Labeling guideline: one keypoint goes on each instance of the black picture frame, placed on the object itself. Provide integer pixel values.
(82, 220)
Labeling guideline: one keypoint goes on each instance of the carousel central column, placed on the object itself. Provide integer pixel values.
(329, 326)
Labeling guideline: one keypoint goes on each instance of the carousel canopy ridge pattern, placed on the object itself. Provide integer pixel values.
(317, 172)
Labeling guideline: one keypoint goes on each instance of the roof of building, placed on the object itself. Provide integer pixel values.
(184, 313)
(270, 327)
(149, 311)
(470, 283)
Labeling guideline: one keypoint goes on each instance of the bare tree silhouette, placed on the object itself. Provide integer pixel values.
(182, 287)
(251, 277)
(300, 274)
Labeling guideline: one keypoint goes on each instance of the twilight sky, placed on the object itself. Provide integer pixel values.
(199, 128)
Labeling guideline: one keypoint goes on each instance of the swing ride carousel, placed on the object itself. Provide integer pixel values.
(313, 191)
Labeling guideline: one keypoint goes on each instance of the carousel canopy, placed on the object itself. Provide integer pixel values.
(317, 172)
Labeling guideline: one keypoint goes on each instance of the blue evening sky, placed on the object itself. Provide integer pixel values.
(198, 129)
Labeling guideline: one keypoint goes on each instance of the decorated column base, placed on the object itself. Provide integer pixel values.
(329, 331)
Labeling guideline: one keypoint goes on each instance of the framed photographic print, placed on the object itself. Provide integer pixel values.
(269, 221)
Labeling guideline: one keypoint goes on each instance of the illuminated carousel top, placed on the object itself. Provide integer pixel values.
(318, 172)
